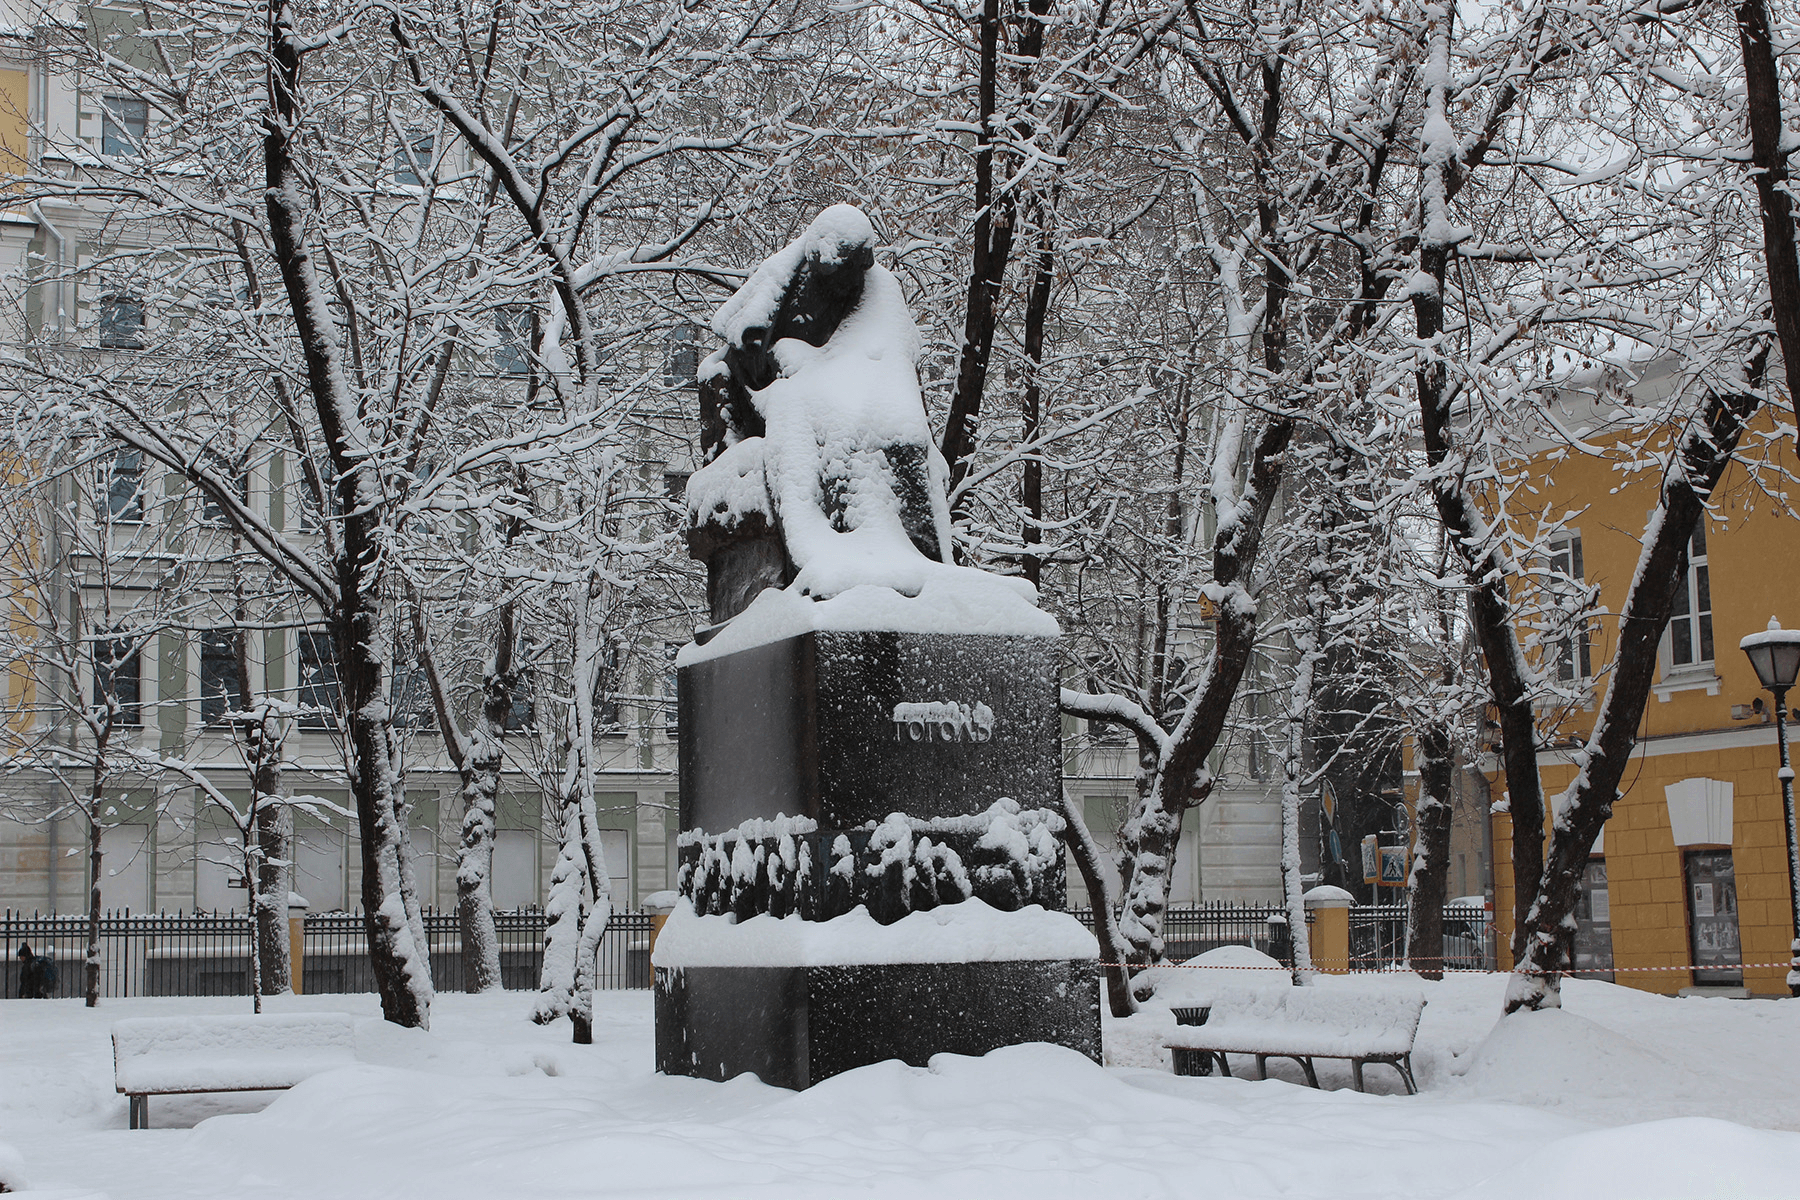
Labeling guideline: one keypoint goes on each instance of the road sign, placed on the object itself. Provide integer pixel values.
(1393, 866)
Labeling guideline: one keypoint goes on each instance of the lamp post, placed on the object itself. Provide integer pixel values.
(1775, 653)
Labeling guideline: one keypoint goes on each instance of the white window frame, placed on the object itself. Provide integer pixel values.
(1703, 672)
(1564, 561)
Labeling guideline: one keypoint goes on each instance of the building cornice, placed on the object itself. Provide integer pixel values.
(1698, 741)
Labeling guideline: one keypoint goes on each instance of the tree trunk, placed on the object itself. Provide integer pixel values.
(564, 909)
(1037, 310)
(268, 871)
(1548, 933)
(1484, 561)
(391, 916)
(1106, 923)
(599, 914)
(390, 907)
(1180, 779)
(91, 971)
(275, 836)
(481, 787)
(994, 221)
(1431, 850)
(252, 850)
(1762, 92)
(475, 871)
(1293, 761)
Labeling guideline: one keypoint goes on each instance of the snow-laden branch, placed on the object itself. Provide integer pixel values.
(1113, 709)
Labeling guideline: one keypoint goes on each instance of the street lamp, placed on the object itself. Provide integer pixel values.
(1775, 653)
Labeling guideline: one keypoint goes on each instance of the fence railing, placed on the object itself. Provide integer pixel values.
(182, 954)
(1378, 937)
(1195, 929)
(200, 955)
(1377, 933)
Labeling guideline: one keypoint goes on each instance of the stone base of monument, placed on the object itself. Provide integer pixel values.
(794, 1026)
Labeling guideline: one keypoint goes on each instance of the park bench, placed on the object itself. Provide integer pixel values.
(171, 1056)
(1302, 1024)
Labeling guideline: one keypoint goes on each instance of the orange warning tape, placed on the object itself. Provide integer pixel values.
(1793, 965)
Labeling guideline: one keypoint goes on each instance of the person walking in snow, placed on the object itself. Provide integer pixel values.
(37, 974)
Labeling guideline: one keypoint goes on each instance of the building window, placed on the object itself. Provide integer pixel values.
(1573, 651)
(1108, 732)
(513, 355)
(123, 124)
(682, 368)
(412, 161)
(309, 512)
(615, 848)
(1690, 623)
(211, 511)
(412, 695)
(675, 490)
(1112, 734)
(606, 692)
(318, 681)
(218, 674)
(515, 870)
(125, 486)
(118, 677)
(523, 713)
(121, 321)
(671, 692)
(319, 874)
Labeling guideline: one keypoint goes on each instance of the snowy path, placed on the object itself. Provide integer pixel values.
(488, 1105)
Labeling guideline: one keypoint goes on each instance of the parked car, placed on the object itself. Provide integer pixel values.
(1467, 923)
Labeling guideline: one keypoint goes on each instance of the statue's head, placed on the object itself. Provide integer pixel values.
(824, 271)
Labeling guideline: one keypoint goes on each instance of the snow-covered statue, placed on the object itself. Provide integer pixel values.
(821, 472)
(870, 745)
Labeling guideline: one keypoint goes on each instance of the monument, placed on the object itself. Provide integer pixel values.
(870, 743)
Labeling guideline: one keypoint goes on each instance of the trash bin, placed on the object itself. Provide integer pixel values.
(1192, 1062)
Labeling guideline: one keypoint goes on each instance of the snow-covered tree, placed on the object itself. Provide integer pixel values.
(1686, 97)
(433, 202)
(81, 572)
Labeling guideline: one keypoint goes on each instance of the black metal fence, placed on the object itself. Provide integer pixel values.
(199, 955)
(1196, 929)
(1377, 933)
(1378, 937)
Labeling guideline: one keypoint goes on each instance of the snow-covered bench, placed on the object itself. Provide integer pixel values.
(1308, 1023)
(170, 1056)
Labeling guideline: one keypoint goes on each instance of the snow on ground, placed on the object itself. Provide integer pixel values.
(1621, 1094)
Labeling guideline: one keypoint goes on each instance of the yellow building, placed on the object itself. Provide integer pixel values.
(1688, 886)
(15, 109)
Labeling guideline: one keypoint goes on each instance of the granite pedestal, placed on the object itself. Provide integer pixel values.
(844, 729)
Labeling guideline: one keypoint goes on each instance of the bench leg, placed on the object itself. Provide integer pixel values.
(1400, 1062)
(140, 1112)
(1306, 1065)
(1224, 1065)
(1262, 1066)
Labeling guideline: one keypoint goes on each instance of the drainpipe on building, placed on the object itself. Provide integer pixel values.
(55, 858)
(62, 265)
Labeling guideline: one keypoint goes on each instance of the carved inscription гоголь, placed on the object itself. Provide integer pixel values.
(943, 721)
